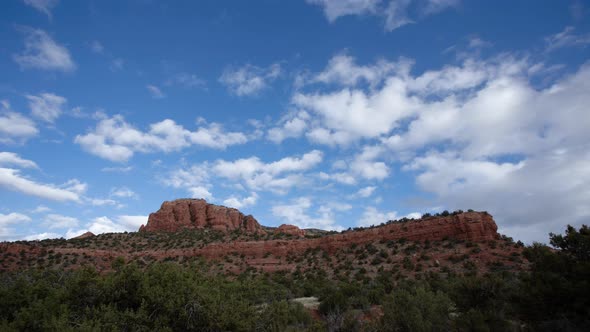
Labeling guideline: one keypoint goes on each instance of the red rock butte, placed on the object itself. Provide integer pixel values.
(184, 214)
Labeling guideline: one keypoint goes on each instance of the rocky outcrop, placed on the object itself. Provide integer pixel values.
(84, 236)
(290, 230)
(198, 214)
(467, 226)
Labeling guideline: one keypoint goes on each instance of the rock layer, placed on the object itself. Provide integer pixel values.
(183, 214)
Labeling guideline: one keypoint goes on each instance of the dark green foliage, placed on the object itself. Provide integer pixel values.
(417, 309)
(414, 293)
(162, 297)
(556, 294)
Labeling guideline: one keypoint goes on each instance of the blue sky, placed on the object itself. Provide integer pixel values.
(319, 113)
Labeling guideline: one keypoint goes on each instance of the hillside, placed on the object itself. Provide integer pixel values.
(185, 231)
(196, 266)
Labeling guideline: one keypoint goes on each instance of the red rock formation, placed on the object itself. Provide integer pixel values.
(198, 214)
(85, 235)
(468, 226)
(290, 229)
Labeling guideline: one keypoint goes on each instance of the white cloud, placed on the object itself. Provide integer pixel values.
(393, 12)
(200, 192)
(249, 80)
(343, 70)
(257, 175)
(346, 115)
(59, 221)
(103, 224)
(251, 173)
(41, 209)
(124, 223)
(123, 192)
(566, 38)
(186, 80)
(99, 225)
(9, 219)
(103, 202)
(364, 165)
(132, 223)
(42, 52)
(42, 236)
(117, 169)
(14, 125)
(13, 159)
(396, 14)
(289, 127)
(371, 216)
(297, 214)
(239, 203)
(478, 134)
(155, 91)
(435, 6)
(12, 180)
(334, 9)
(116, 140)
(44, 6)
(46, 106)
(366, 191)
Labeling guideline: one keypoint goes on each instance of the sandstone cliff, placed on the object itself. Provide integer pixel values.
(198, 214)
(467, 226)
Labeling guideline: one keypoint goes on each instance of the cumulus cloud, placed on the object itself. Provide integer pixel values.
(249, 80)
(371, 216)
(46, 106)
(477, 134)
(364, 165)
(132, 223)
(289, 127)
(9, 219)
(116, 140)
(366, 191)
(276, 176)
(238, 203)
(297, 213)
(59, 221)
(42, 52)
(251, 173)
(14, 126)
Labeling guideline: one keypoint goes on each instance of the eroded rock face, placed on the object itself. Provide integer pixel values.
(467, 226)
(290, 229)
(198, 214)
